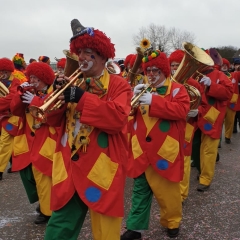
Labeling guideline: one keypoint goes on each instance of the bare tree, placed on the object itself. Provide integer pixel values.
(177, 37)
(165, 39)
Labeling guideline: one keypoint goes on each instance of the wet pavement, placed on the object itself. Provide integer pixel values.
(213, 215)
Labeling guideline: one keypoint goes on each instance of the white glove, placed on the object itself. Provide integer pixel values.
(27, 97)
(137, 89)
(206, 81)
(146, 99)
(25, 84)
(193, 113)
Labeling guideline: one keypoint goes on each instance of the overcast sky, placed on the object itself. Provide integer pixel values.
(43, 27)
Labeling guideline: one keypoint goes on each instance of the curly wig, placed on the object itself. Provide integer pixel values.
(128, 59)
(99, 42)
(161, 62)
(42, 71)
(61, 63)
(176, 56)
(6, 65)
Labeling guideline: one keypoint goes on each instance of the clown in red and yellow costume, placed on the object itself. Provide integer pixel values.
(127, 65)
(175, 59)
(233, 104)
(156, 154)
(89, 167)
(218, 91)
(9, 123)
(35, 143)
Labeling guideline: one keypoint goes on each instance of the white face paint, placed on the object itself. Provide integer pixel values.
(224, 68)
(153, 80)
(173, 72)
(86, 65)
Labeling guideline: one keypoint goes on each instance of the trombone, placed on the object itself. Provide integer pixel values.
(52, 102)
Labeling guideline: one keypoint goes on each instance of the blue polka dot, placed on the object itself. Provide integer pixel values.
(232, 105)
(185, 145)
(207, 126)
(93, 194)
(162, 164)
(9, 127)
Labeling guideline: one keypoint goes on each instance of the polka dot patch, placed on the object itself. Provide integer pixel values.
(162, 164)
(102, 140)
(207, 126)
(9, 127)
(164, 126)
(93, 194)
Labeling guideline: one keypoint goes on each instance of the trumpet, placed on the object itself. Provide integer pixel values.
(135, 99)
(21, 90)
(52, 102)
(3, 90)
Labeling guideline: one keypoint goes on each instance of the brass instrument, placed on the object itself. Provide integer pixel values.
(52, 102)
(112, 67)
(133, 71)
(193, 63)
(3, 90)
(135, 99)
(21, 90)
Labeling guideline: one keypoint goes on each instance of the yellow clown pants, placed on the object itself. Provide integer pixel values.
(167, 194)
(43, 185)
(66, 223)
(184, 184)
(6, 148)
(229, 122)
(208, 155)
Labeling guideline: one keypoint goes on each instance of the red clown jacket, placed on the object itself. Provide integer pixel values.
(192, 123)
(217, 95)
(8, 121)
(234, 102)
(35, 146)
(157, 135)
(98, 172)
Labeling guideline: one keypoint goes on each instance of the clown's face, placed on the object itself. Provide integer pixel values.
(174, 66)
(155, 76)
(90, 62)
(37, 83)
(224, 68)
(5, 75)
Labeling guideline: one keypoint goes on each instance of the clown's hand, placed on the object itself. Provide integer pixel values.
(138, 88)
(25, 84)
(193, 113)
(206, 81)
(27, 97)
(146, 99)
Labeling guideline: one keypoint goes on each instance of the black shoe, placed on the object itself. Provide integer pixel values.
(172, 233)
(9, 170)
(1, 173)
(131, 235)
(38, 209)
(41, 219)
(227, 140)
(218, 157)
(198, 176)
(202, 187)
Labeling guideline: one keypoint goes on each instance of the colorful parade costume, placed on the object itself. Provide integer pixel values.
(9, 123)
(156, 157)
(89, 167)
(35, 143)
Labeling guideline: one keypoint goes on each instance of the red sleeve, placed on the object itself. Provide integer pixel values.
(236, 76)
(222, 89)
(5, 101)
(176, 109)
(109, 115)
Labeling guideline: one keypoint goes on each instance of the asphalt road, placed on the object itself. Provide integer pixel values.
(213, 215)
